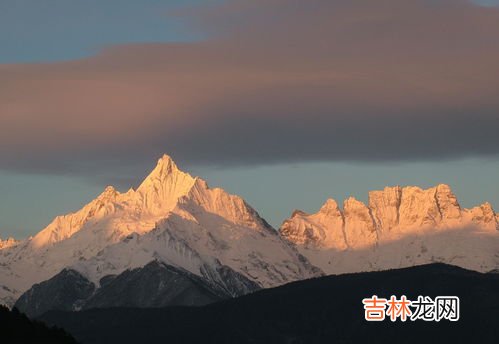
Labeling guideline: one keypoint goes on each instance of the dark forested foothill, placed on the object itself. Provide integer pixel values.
(16, 328)
(321, 310)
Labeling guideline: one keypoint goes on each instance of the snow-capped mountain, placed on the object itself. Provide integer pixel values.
(399, 227)
(174, 227)
(9, 242)
(172, 217)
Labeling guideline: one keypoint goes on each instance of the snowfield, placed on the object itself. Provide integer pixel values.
(179, 220)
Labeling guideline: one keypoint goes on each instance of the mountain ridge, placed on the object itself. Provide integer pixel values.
(154, 285)
(171, 216)
(398, 227)
(388, 210)
(179, 220)
(320, 310)
(9, 242)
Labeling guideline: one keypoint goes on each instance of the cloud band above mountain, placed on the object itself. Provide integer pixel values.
(278, 81)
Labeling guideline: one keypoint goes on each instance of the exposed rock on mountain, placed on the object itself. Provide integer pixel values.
(400, 227)
(360, 227)
(65, 291)
(9, 242)
(213, 244)
(172, 217)
(154, 285)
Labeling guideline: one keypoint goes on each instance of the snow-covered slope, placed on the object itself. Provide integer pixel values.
(400, 227)
(207, 230)
(172, 217)
(9, 242)
(176, 219)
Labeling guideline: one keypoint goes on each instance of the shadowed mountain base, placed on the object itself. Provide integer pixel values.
(322, 310)
(154, 285)
(16, 328)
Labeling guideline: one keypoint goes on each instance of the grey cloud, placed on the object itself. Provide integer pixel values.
(279, 81)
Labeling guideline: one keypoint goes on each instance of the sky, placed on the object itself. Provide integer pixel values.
(286, 103)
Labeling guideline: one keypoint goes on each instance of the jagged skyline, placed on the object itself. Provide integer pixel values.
(275, 191)
(356, 95)
(176, 218)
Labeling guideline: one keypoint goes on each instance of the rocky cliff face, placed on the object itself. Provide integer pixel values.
(178, 220)
(154, 285)
(66, 291)
(394, 210)
(9, 242)
(427, 225)
(172, 217)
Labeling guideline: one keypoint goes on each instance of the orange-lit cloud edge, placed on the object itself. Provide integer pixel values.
(277, 81)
